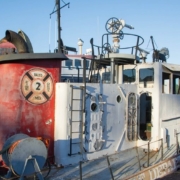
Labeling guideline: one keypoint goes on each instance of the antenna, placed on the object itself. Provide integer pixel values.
(162, 55)
(59, 24)
(58, 8)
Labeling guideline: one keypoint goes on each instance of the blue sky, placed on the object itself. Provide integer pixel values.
(86, 19)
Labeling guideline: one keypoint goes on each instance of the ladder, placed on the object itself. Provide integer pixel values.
(75, 112)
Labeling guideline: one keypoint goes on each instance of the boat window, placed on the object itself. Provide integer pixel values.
(77, 62)
(146, 77)
(129, 75)
(176, 84)
(68, 62)
(72, 79)
(95, 78)
(87, 64)
(106, 77)
(165, 83)
(145, 123)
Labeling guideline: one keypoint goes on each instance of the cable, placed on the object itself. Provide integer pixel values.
(49, 34)
(63, 1)
(49, 167)
(155, 44)
(148, 44)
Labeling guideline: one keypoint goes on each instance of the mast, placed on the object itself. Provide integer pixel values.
(59, 24)
(152, 43)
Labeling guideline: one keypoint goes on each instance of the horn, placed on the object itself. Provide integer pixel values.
(27, 40)
(17, 40)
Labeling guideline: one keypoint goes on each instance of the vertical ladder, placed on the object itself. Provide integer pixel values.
(74, 120)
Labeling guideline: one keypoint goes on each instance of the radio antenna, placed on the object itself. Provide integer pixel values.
(58, 8)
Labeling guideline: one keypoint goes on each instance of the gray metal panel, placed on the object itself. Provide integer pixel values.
(32, 56)
(122, 56)
(118, 59)
(172, 67)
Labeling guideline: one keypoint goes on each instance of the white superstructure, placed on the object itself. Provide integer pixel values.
(129, 106)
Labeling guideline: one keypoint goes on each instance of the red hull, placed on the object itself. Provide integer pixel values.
(22, 112)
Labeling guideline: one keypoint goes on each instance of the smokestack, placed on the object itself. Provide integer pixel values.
(80, 44)
(17, 40)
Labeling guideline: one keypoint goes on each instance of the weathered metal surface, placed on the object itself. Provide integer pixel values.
(23, 150)
(9, 142)
(7, 45)
(172, 67)
(18, 113)
(33, 57)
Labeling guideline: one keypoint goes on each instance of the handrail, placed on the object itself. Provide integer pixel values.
(148, 160)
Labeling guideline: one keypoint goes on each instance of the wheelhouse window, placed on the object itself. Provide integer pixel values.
(146, 77)
(95, 78)
(77, 62)
(87, 64)
(106, 77)
(166, 83)
(176, 84)
(69, 62)
(129, 75)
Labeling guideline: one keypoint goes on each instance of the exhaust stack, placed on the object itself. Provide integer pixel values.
(17, 40)
(80, 44)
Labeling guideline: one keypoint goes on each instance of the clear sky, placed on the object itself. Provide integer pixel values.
(86, 19)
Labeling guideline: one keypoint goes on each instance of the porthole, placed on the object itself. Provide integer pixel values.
(93, 106)
(118, 98)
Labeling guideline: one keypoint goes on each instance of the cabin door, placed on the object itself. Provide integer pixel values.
(145, 116)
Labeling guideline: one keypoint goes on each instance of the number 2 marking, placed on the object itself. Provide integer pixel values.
(38, 86)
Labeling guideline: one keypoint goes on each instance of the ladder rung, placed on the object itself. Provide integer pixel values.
(77, 88)
(76, 121)
(74, 153)
(76, 132)
(76, 110)
(80, 110)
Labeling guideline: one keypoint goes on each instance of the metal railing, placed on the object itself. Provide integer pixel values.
(149, 158)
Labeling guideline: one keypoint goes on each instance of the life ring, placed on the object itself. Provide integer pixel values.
(37, 86)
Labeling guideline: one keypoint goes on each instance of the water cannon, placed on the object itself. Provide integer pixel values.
(123, 24)
(114, 26)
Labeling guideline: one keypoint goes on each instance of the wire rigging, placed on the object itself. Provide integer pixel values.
(50, 30)
(50, 34)
(151, 49)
